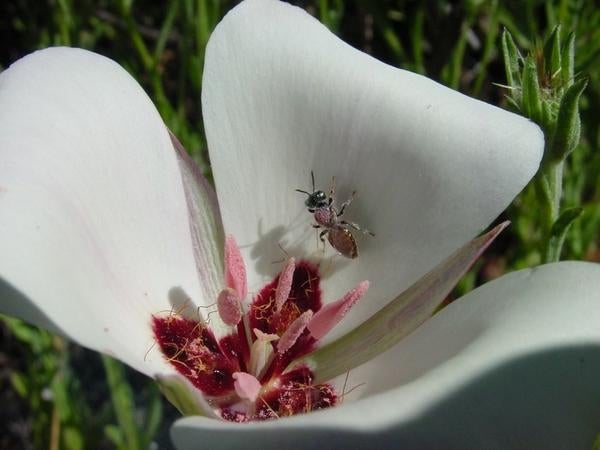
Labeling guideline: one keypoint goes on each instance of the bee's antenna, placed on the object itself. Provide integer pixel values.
(304, 192)
(312, 177)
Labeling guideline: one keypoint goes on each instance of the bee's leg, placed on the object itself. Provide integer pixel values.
(314, 225)
(322, 236)
(346, 203)
(311, 210)
(332, 190)
(356, 227)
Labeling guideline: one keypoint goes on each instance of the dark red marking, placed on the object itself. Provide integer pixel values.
(209, 364)
(193, 350)
(296, 395)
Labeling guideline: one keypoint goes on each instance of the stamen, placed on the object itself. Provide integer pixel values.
(284, 285)
(235, 270)
(261, 353)
(331, 314)
(293, 332)
(229, 307)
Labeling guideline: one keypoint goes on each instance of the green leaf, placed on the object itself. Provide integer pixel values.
(61, 397)
(568, 123)
(596, 445)
(113, 433)
(72, 438)
(511, 59)
(398, 319)
(153, 417)
(532, 100)
(19, 384)
(559, 232)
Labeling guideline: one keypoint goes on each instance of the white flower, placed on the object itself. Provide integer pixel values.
(105, 224)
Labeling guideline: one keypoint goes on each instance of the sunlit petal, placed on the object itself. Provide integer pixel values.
(283, 96)
(94, 227)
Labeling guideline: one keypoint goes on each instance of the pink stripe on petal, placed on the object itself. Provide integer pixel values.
(284, 285)
(291, 335)
(332, 313)
(235, 270)
(246, 386)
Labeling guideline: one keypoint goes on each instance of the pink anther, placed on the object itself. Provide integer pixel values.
(291, 335)
(284, 284)
(235, 270)
(330, 315)
(246, 386)
(229, 307)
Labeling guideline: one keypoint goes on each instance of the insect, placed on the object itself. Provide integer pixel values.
(327, 216)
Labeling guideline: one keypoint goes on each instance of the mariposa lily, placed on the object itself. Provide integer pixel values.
(110, 236)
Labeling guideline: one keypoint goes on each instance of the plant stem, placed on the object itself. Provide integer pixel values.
(552, 187)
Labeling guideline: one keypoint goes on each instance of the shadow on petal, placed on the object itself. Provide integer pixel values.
(182, 304)
(17, 304)
(548, 399)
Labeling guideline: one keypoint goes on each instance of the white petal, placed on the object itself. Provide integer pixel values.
(283, 96)
(94, 230)
(513, 365)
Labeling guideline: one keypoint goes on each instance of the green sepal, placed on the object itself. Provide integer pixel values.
(511, 59)
(532, 99)
(568, 61)
(559, 232)
(181, 395)
(552, 57)
(568, 123)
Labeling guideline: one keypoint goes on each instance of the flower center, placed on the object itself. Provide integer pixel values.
(211, 363)
(243, 374)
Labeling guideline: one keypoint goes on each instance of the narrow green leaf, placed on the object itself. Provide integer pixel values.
(165, 30)
(61, 397)
(489, 47)
(72, 438)
(416, 33)
(559, 232)
(398, 319)
(596, 445)
(568, 61)
(568, 124)
(532, 100)
(113, 433)
(122, 399)
(19, 383)
(153, 418)
(513, 103)
(511, 59)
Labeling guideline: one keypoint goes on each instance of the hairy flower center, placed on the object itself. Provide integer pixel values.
(242, 374)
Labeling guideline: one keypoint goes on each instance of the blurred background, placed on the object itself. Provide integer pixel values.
(55, 394)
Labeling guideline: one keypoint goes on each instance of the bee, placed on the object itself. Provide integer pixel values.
(326, 215)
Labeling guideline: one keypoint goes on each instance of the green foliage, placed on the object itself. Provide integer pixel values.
(60, 414)
(543, 86)
(129, 435)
